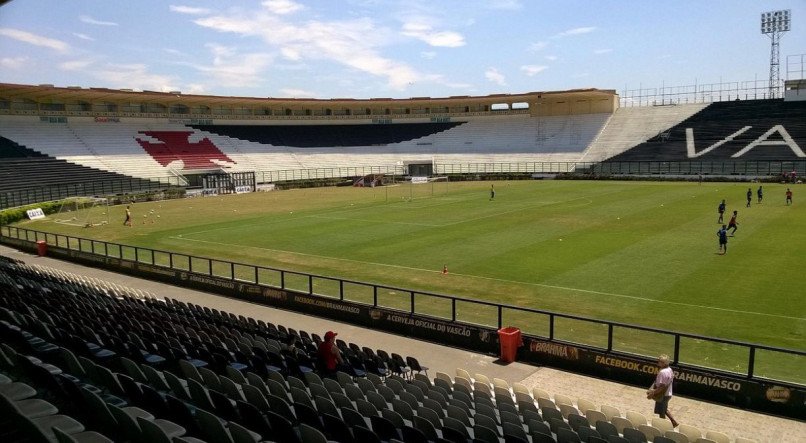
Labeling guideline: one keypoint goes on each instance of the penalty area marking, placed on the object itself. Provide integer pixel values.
(542, 285)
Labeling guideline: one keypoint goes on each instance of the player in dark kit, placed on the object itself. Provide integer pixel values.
(749, 196)
(722, 234)
(788, 197)
(492, 192)
(760, 194)
(721, 210)
(733, 224)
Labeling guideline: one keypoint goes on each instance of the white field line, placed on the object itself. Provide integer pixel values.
(386, 222)
(542, 285)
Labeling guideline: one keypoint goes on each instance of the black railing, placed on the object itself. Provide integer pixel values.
(759, 168)
(739, 359)
(27, 196)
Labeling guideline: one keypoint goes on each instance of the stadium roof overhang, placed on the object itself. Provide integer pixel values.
(50, 93)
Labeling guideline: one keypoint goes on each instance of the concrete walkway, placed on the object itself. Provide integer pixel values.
(703, 415)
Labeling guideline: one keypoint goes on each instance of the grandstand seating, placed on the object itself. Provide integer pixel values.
(729, 127)
(24, 169)
(175, 145)
(150, 147)
(328, 136)
(629, 127)
(135, 368)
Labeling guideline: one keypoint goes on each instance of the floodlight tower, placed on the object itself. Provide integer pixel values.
(774, 24)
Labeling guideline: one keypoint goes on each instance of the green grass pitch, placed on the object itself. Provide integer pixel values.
(636, 252)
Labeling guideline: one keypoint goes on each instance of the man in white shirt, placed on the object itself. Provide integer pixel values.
(661, 389)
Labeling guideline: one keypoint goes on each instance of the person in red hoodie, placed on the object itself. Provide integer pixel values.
(329, 355)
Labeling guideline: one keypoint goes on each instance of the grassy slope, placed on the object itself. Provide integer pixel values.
(640, 253)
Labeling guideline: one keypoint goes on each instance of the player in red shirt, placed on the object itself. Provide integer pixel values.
(788, 196)
(732, 223)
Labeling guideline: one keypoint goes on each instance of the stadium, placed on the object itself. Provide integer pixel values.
(171, 262)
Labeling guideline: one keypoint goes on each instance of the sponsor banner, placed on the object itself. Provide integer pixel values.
(191, 121)
(107, 120)
(419, 180)
(35, 214)
(266, 187)
(478, 338)
(243, 189)
(703, 384)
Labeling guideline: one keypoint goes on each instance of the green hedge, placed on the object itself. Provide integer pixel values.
(14, 215)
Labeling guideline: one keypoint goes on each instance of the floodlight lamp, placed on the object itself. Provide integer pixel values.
(775, 21)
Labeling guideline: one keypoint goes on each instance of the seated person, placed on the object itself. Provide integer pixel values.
(329, 355)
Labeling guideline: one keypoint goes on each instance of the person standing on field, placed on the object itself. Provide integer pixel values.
(721, 210)
(722, 234)
(492, 192)
(733, 223)
(661, 389)
(749, 196)
(760, 194)
(788, 197)
(128, 221)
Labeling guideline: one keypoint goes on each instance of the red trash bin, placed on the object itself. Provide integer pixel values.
(42, 248)
(510, 339)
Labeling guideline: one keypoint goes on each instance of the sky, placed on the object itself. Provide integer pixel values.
(390, 48)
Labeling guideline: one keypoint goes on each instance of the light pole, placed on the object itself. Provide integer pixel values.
(774, 24)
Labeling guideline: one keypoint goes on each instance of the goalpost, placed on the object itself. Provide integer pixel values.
(417, 188)
(83, 211)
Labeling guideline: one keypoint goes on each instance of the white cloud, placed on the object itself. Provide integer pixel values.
(34, 39)
(538, 46)
(510, 5)
(194, 88)
(130, 76)
(603, 51)
(296, 93)
(191, 10)
(173, 51)
(282, 7)
(551, 58)
(83, 36)
(343, 42)
(424, 32)
(231, 68)
(428, 55)
(291, 53)
(92, 21)
(74, 65)
(576, 31)
(134, 76)
(13, 62)
(494, 76)
(532, 70)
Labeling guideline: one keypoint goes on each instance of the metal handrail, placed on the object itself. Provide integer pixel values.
(148, 256)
